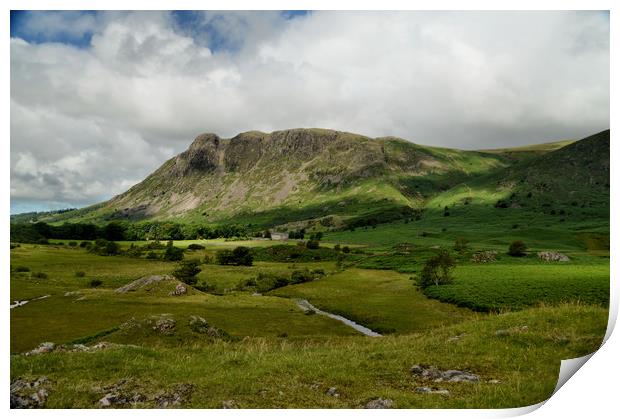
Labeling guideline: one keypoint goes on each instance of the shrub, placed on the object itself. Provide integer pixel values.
(346, 249)
(312, 244)
(111, 248)
(239, 256)
(84, 244)
(461, 244)
(134, 251)
(105, 248)
(154, 245)
(172, 253)
(73, 244)
(298, 277)
(264, 282)
(94, 283)
(22, 269)
(80, 274)
(152, 255)
(187, 271)
(316, 236)
(436, 270)
(337, 248)
(224, 257)
(517, 248)
(195, 246)
(40, 275)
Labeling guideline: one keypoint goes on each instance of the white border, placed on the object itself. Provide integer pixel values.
(591, 392)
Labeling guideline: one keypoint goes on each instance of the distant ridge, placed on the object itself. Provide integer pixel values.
(333, 178)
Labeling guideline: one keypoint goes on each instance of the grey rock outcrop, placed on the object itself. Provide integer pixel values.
(26, 394)
(379, 404)
(432, 373)
(549, 256)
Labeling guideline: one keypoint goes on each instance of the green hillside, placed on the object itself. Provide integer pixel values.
(332, 181)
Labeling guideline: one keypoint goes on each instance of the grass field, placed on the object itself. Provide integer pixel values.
(276, 372)
(270, 353)
(384, 301)
(511, 286)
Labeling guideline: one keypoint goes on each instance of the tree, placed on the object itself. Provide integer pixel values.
(437, 270)
(187, 271)
(312, 244)
(242, 256)
(172, 253)
(517, 248)
(239, 256)
(317, 236)
(114, 231)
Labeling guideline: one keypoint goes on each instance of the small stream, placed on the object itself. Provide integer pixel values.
(305, 305)
(24, 302)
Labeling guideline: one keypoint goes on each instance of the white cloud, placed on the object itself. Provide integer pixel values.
(88, 121)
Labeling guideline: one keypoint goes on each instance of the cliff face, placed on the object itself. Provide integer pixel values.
(256, 171)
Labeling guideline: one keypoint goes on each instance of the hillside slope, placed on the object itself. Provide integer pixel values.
(330, 179)
(292, 175)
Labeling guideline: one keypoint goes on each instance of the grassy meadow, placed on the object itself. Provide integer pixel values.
(510, 321)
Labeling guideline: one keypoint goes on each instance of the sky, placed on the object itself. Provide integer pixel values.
(101, 99)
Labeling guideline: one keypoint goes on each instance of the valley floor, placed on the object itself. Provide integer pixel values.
(238, 348)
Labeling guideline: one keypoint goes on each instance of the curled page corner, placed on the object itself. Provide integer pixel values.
(568, 368)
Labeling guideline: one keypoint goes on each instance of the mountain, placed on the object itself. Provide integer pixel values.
(570, 180)
(337, 178)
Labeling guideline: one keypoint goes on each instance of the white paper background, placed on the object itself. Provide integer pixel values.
(591, 392)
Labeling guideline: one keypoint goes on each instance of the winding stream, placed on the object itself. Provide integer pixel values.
(24, 302)
(305, 305)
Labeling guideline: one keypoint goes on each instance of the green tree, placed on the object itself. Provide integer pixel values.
(187, 271)
(172, 253)
(242, 256)
(239, 256)
(517, 248)
(437, 270)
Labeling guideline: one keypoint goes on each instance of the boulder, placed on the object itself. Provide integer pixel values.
(431, 390)
(43, 348)
(430, 372)
(456, 376)
(332, 391)
(550, 256)
(26, 394)
(165, 326)
(178, 395)
(484, 256)
(230, 404)
(379, 404)
(180, 289)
